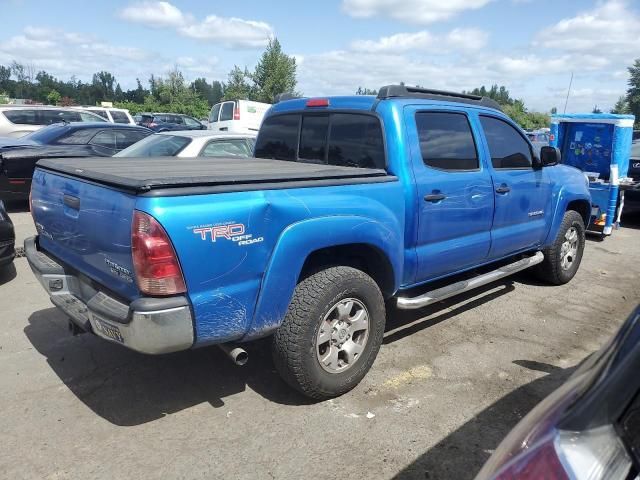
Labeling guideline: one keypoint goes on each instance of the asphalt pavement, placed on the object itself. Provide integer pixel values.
(450, 381)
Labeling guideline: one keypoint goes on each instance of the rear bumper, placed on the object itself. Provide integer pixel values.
(146, 325)
(7, 252)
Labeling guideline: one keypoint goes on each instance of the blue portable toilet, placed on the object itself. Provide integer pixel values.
(599, 144)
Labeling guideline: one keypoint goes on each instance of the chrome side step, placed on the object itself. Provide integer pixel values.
(465, 285)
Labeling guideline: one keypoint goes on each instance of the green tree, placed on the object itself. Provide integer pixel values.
(212, 92)
(633, 93)
(53, 97)
(554, 110)
(275, 73)
(366, 91)
(238, 86)
(596, 109)
(621, 106)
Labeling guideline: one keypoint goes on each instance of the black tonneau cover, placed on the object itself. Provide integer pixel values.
(145, 174)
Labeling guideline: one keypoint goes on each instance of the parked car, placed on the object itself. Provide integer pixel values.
(589, 428)
(18, 121)
(113, 115)
(307, 241)
(237, 116)
(163, 122)
(632, 196)
(18, 157)
(195, 143)
(7, 238)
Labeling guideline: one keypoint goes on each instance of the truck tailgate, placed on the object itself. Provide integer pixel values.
(86, 226)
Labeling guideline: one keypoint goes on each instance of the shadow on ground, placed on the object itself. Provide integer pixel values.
(127, 388)
(461, 454)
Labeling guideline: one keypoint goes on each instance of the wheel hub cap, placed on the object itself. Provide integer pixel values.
(342, 335)
(569, 249)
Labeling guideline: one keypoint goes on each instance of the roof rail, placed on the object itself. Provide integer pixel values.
(402, 91)
(281, 97)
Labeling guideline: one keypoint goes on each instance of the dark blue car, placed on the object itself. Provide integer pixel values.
(164, 122)
(18, 156)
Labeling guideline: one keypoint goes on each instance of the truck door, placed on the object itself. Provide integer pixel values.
(522, 193)
(454, 203)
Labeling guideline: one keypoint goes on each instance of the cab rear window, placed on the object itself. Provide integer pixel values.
(343, 139)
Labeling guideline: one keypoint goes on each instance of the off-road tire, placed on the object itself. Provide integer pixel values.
(294, 343)
(550, 269)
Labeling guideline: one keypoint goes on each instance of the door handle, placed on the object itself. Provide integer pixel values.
(503, 189)
(71, 201)
(434, 197)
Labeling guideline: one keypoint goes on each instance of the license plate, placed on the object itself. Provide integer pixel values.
(108, 330)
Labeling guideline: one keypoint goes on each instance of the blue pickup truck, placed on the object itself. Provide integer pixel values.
(409, 197)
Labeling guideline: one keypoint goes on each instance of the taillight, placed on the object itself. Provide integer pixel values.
(154, 259)
(236, 113)
(318, 102)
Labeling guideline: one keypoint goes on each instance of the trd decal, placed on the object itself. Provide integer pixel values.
(234, 232)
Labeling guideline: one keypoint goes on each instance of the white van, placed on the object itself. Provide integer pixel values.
(237, 116)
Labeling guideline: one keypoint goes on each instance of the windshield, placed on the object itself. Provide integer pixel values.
(156, 146)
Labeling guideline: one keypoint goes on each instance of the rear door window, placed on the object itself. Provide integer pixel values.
(102, 113)
(191, 122)
(119, 117)
(126, 138)
(278, 138)
(508, 148)
(215, 111)
(22, 117)
(77, 137)
(226, 112)
(105, 138)
(446, 141)
(227, 148)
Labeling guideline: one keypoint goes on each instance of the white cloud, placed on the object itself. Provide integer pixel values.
(411, 11)
(457, 39)
(233, 32)
(154, 14)
(611, 29)
(65, 54)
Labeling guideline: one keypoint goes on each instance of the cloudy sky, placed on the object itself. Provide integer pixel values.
(530, 46)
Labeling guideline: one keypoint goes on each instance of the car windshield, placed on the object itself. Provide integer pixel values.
(156, 146)
(47, 135)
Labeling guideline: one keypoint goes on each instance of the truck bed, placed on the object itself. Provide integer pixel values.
(160, 174)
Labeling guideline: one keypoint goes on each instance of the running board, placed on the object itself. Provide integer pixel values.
(465, 285)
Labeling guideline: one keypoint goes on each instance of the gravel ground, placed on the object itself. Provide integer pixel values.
(448, 384)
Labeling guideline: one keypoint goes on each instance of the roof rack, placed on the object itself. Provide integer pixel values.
(402, 91)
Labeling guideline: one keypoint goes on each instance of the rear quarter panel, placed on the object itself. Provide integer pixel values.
(227, 241)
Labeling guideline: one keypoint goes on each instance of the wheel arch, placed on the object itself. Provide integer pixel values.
(364, 243)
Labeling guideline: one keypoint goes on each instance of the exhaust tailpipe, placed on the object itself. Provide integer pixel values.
(238, 355)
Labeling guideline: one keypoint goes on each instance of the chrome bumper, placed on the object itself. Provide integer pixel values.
(147, 325)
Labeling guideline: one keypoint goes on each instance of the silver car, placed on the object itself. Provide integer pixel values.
(19, 120)
(192, 143)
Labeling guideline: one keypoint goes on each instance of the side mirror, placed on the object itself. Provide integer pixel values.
(549, 156)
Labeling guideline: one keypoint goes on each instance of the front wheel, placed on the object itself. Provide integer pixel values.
(562, 259)
(331, 333)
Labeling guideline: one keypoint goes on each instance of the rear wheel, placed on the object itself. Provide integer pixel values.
(331, 334)
(562, 259)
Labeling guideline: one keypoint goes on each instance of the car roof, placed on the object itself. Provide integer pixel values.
(207, 134)
(40, 107)
(81, 125)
